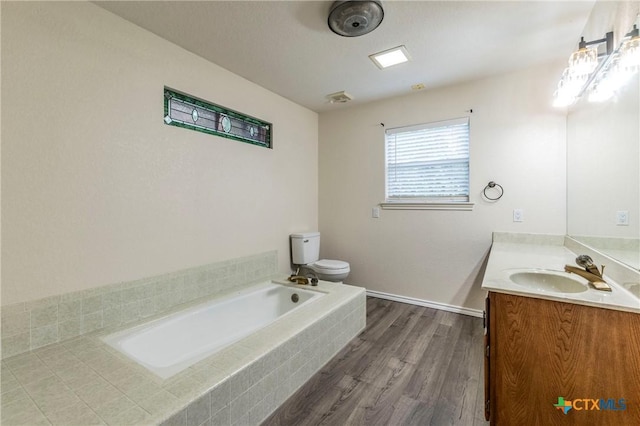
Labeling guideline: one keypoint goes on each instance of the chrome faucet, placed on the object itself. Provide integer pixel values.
(590, 272)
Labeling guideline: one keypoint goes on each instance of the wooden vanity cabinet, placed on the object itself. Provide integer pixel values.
(539, 350)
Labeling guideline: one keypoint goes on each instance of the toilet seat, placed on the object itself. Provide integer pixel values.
(330, 267)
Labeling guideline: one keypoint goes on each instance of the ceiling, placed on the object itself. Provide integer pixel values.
(287, 47)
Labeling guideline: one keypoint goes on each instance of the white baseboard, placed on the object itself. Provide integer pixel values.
(425, 303)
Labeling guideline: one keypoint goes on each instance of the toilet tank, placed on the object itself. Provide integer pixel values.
(305, 248)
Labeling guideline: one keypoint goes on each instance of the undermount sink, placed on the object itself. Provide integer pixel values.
(547, 281)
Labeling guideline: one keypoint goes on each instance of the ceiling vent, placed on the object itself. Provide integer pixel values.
(352, 18)
(339, 97)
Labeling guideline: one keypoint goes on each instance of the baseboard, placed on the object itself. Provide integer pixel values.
(426, 303)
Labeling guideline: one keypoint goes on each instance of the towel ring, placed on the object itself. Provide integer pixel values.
(492, 184)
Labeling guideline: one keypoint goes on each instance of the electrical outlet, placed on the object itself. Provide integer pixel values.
(518, 215)
(622, 218)
(375, 212)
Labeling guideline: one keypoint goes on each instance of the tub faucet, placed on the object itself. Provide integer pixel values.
(298, 279)
(590, 272)
(314, 277)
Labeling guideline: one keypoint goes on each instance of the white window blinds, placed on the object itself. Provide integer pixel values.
(428, 162)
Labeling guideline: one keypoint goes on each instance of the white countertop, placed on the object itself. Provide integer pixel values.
(507, 256)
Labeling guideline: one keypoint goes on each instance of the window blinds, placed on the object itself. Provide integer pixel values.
(428, 162)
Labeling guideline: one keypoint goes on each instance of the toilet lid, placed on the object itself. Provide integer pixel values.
(329, 265)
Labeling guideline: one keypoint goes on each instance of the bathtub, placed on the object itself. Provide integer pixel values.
(169, 345)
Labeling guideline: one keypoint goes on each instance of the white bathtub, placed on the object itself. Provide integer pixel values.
(169, 345)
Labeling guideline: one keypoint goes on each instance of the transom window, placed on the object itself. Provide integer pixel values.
(428, 163)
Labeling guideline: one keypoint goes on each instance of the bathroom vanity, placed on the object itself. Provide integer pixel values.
(556, 353)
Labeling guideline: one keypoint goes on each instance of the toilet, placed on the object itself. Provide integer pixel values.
(305, 253)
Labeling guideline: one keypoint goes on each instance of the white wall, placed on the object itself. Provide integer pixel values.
(97, 190)
(517, 140)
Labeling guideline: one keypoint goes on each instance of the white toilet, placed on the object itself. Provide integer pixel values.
(305, 252)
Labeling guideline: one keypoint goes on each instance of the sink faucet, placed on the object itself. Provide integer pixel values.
(590, 272)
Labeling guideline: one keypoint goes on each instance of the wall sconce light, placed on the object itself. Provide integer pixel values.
(602, 75)
(584, 64)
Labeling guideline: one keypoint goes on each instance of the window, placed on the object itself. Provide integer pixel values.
(427, 165)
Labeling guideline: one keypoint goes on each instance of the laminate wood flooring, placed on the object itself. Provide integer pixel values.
(410, 366)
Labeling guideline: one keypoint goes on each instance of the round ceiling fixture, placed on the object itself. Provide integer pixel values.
(351, 18)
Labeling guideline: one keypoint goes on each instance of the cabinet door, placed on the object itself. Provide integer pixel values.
(487, 364)
(544, 352)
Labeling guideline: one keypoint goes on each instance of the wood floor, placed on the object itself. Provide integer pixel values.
(411, 366)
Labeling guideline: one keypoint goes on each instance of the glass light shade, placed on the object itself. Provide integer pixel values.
(562, 99)
(583, 61)
(630, 54)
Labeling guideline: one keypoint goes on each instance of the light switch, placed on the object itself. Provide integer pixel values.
(375, 212)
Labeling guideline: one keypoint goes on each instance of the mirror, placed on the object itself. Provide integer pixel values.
(603, 174)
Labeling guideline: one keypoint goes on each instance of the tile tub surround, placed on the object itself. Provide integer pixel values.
(31, 325)
(84, 381)
(553, 252)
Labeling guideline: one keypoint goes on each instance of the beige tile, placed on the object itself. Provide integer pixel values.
(112, 316)
(112, 299)
(70, 309)
(91, 304)
(70, 328)
(30, 360)
(13, 395)
(83, 380)
(9, 383)
(45, 387)
(130, 311)
(183, 387)
(91, 322)
(113, 409)
(46, 315)
(147, 390)
(130, 382)
(51, 394)
(15, 345)
(43, 336)
(147, 307)
(78, 414)
(41, 303)
(18, 323)
(76, 373)
(177, 419)
(98, 393)
(80, 345)
(133, 294)
(220, 396)
(51, 351)
(22, 412)
(221, 417)
(199, 410)
(135, 416)
(159, 403)
(62, 362)
(29, 375)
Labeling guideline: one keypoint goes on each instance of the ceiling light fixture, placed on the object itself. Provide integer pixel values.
(350, 18)
(390, 57)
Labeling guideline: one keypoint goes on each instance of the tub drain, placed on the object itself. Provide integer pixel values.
(295, 298)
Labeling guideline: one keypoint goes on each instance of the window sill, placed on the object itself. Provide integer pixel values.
(427, 206)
